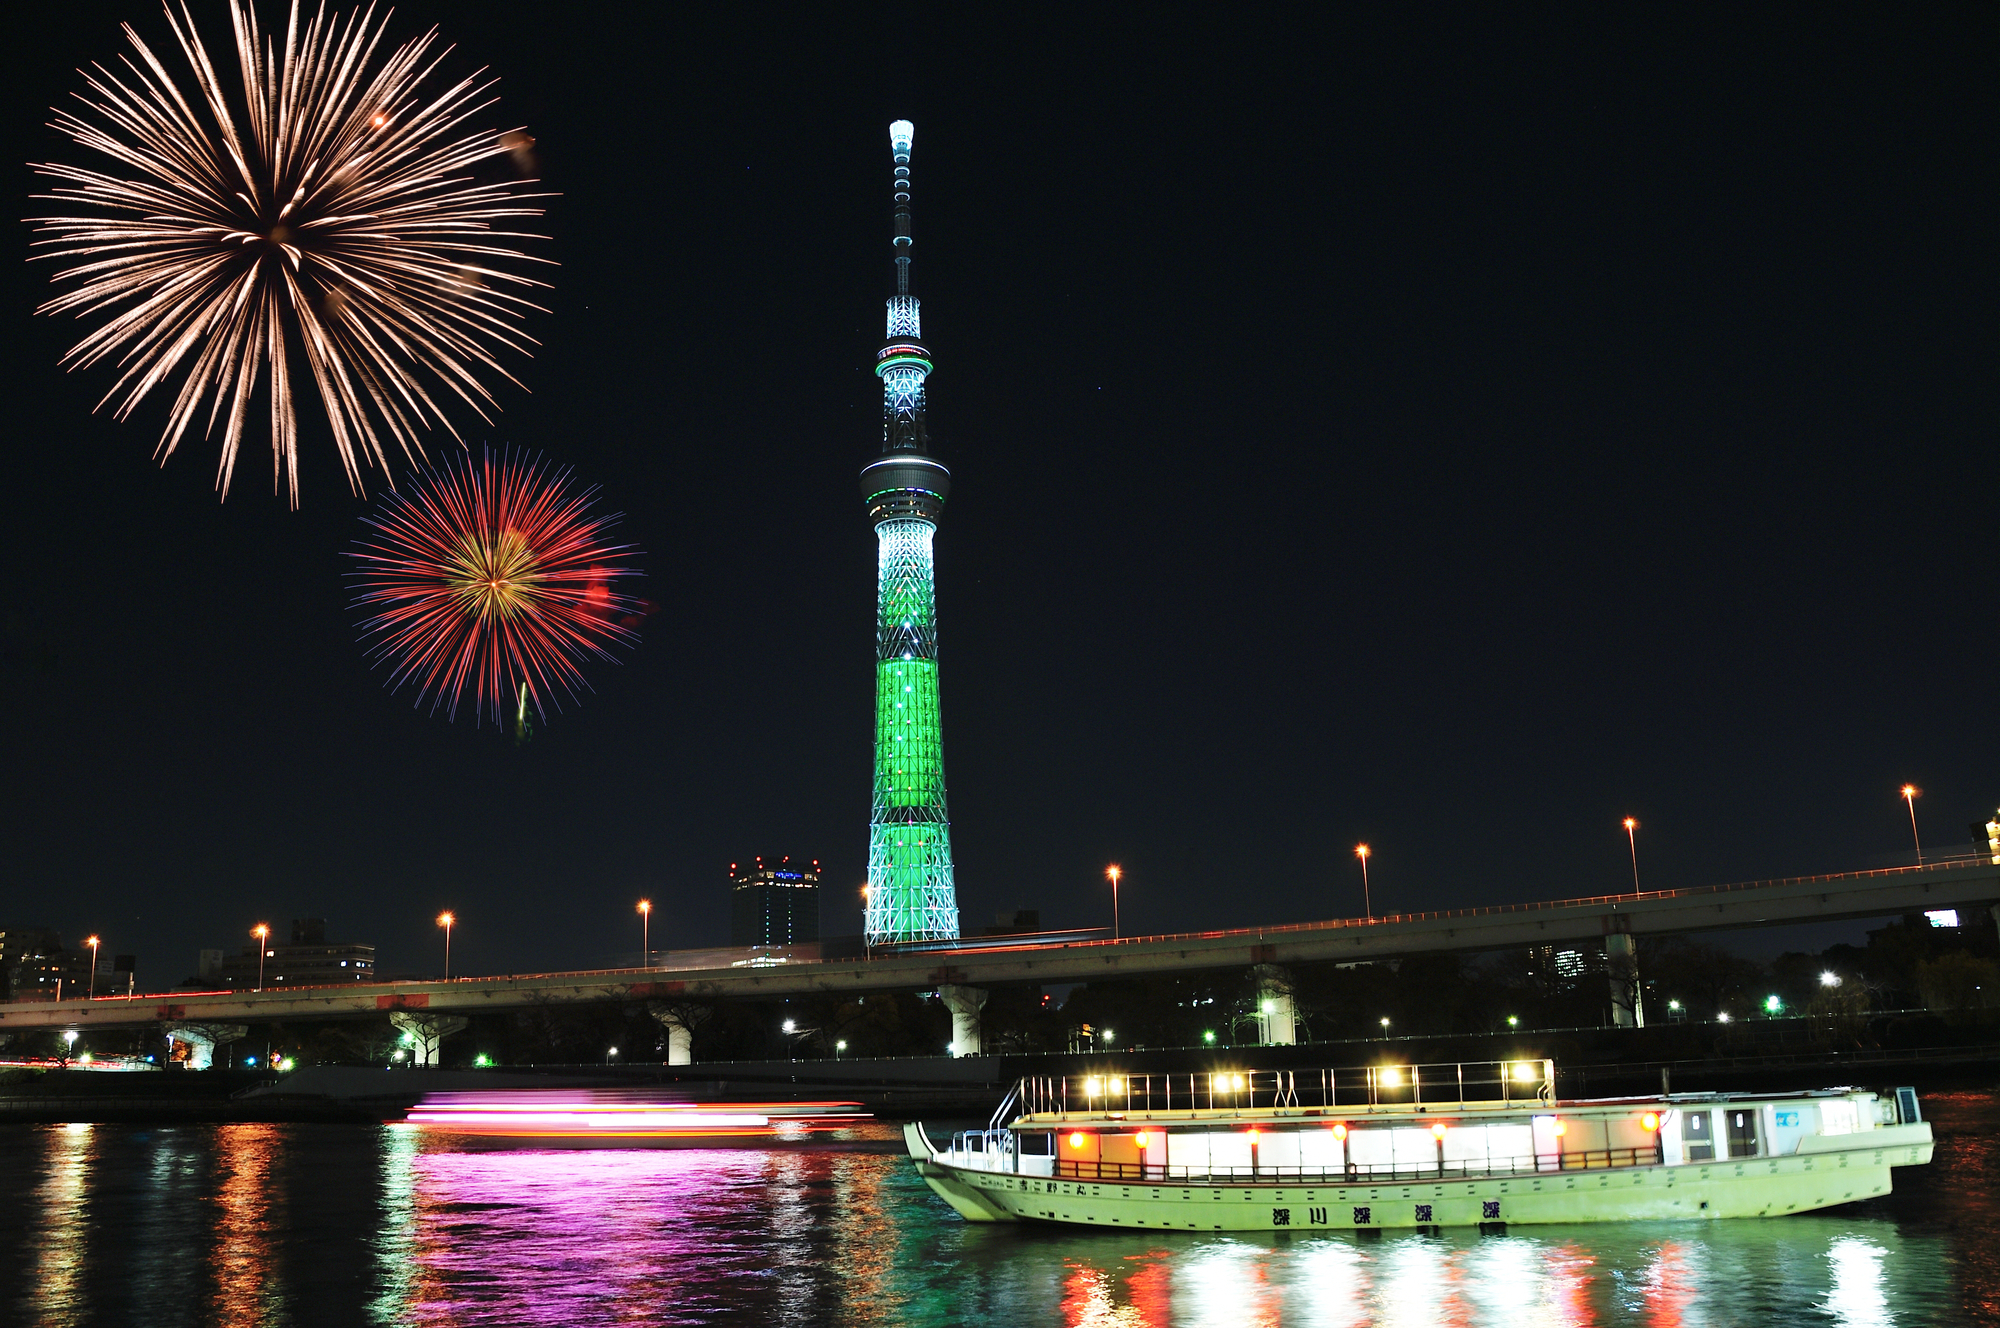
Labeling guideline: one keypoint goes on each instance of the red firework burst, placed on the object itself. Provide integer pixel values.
(495, 575)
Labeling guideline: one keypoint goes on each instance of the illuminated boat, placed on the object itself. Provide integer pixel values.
(1423, 1146)
(594, 1118)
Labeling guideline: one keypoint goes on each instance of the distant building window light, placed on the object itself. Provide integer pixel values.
(1942, 917)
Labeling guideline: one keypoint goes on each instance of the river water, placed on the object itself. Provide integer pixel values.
(345, 1225)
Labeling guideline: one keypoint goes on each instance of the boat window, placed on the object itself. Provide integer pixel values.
(1742, 1131)
(1838, 1116)
(1697, 1136)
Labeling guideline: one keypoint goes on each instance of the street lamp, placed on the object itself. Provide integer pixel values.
(840, 1046)
(646, 930)
(1632, 842)
(1910, 795)
(867, 936)
(92, 942)
(1361, 851)
(1208, 1036)
(262, 932)
(1772, 1006)
(1513, 1021)
(1113, 872)
(446, 920)
(1385, 1023)
(1829, 978)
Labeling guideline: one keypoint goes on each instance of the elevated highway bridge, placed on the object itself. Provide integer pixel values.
(959, 972)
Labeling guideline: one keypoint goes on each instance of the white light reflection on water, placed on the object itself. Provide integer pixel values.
(60, 1232)
(114, 1226)
(396, 1230)
(1857, 1299)
(1415, 1283)
(1334, 1277)
(1230, 1283)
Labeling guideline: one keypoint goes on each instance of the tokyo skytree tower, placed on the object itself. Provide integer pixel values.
(911, 896)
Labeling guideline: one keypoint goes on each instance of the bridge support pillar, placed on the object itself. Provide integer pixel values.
(424, 1034)
(965, 1004)
(679, 1021)
(1621, 956)
(192, 1046)
(1277, 1023)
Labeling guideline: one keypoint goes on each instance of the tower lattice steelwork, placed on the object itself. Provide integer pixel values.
(911, 896)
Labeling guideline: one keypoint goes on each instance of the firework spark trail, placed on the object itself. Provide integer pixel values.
(328, 214)
(493, 574)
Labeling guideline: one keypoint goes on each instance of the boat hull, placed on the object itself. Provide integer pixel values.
(1749, 1187)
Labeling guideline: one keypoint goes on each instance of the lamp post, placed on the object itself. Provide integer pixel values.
(1362, 851)
(1632, 842)
(867, 937)
(1113, 873)
(92, 942)
(261, 931)
(1910, 795)
(446, 920)
(646, 931)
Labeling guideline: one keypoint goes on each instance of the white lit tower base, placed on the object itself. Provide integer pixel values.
(911, 895)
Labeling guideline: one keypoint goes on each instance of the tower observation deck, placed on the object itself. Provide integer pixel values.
(911, 894)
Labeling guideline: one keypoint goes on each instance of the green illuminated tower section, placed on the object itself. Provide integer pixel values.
(911, 895)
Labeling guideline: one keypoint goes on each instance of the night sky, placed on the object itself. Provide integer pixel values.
(1415, 429)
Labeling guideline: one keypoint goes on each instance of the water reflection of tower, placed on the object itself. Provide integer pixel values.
(911, 893)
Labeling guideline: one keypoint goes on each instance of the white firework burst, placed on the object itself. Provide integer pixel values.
(327, 216)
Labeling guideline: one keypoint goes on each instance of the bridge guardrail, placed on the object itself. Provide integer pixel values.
(647, 975)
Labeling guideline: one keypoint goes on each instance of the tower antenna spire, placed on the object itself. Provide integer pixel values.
(911, 894)
(901, 135)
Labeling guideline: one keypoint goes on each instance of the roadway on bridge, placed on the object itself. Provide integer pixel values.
(1963, 884)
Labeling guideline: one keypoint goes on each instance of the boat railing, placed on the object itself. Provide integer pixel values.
(995, 1150)
(1361, 1172)
(1450, 1083)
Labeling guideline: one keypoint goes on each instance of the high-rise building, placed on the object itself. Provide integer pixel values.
(31, 959)
(309, 961)
(911, 894)
(773, 905)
